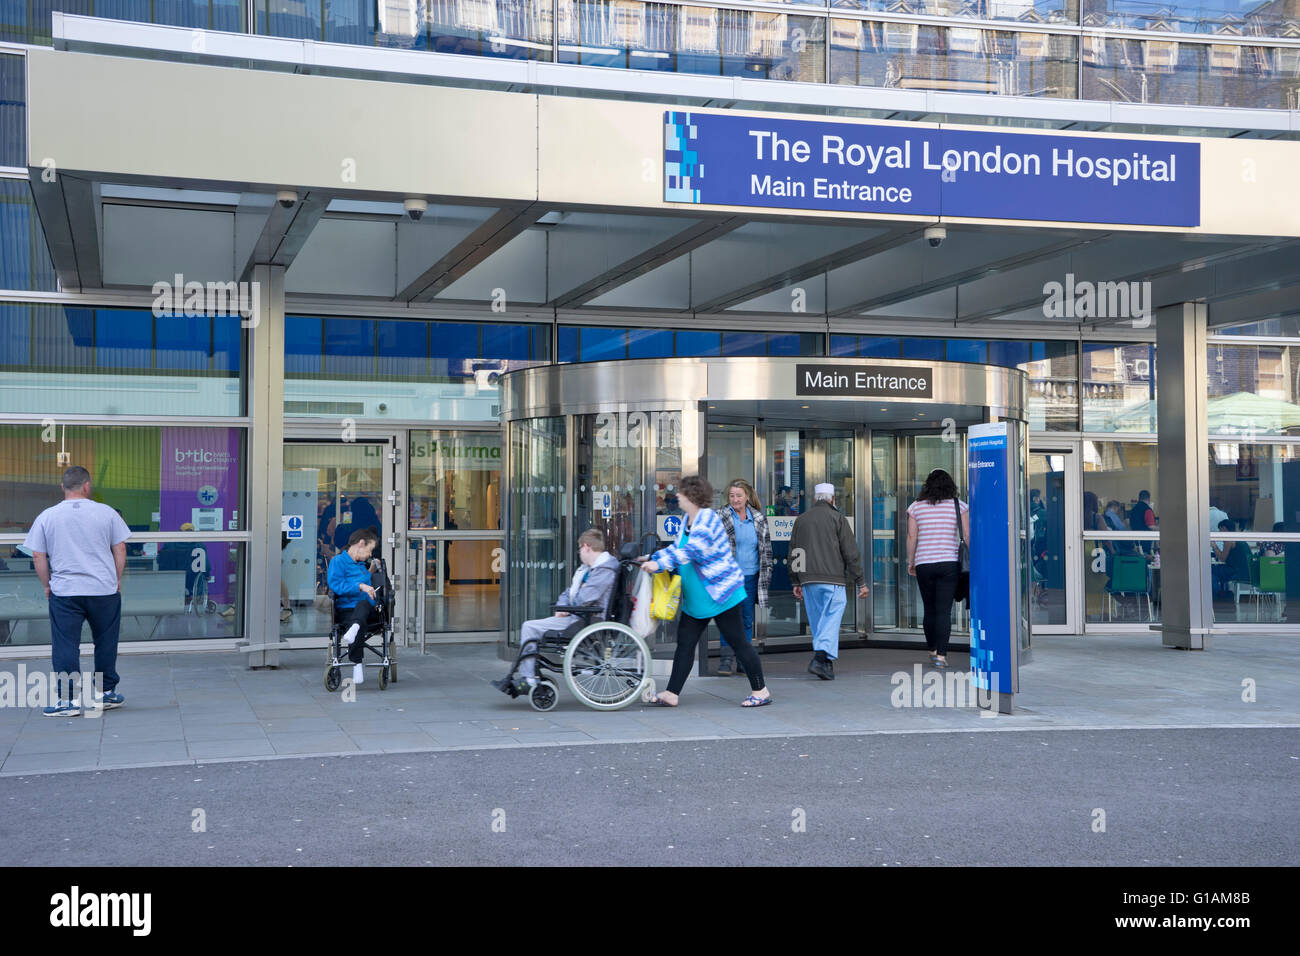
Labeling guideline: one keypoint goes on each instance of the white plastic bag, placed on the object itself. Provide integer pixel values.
(641, 622)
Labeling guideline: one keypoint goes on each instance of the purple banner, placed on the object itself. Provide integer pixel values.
(200, 492)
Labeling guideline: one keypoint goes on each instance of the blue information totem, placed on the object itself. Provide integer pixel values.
(994, 657)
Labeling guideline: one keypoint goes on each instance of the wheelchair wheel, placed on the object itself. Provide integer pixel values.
(606, 665)
(392, 672)
(333, 679)
(544, 695)
(383, 678)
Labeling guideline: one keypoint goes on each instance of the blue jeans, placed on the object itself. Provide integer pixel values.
(825, 604)
(746, 611)
(67, 614)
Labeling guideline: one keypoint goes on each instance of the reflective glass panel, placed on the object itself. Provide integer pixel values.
(30, 22)
(13, 111)
(1119, 482)
(158, 479)
(1118, 387)
(1121, 581)
(1251, 484)
(1253, 390)
(175, 590)
(922, 56)
(1227, 17)
(57, 359)
(1250, 579)
(1165, 71)
(685, 39)
(390, 368)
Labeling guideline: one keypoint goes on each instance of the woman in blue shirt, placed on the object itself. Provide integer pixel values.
(713, 588)
(751, 544)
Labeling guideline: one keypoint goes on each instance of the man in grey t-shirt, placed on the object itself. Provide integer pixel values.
(79, 550)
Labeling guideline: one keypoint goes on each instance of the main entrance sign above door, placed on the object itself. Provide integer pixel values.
(739, 160)
(873, 381)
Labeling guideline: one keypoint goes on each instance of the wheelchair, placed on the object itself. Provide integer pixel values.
(605, 664)
(338, 656)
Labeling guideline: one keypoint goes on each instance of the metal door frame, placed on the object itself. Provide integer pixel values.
(1074, 596)
(905, 477)
(392, 511)
(815, 472)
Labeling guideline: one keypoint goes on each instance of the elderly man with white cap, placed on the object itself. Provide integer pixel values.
(823, 558)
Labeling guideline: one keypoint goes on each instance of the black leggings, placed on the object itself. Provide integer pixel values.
(365, 615)
(938, 584)
(732, 625)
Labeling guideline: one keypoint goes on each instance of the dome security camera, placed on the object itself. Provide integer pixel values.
(935, 235)
(286, 198)
(415, 209)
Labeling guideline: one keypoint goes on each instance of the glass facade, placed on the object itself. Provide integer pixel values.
(63, 359)
(1250, 580)
(345, 367)
(1118, 387)
(28, 21)
(176, 590)
(13, 112)
(962, 59)
(157, 478)
(24, 257)
(602, 343)
(1052, 367)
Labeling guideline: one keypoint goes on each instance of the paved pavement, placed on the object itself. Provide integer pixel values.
(202, 708)
(1109, 797)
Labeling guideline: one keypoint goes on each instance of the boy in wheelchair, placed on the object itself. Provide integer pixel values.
(351, 582)
(593, 583)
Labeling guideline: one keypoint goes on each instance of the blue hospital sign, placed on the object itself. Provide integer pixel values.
(993, 651)
(730, 160)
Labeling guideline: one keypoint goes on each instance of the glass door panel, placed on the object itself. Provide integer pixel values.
(1048, 577)
(538, 567)
(786, 464)
(454, 517)
(920, 454)
(730, 456)
(797, 460)
(885, 516)
(331, 489)
(609, 483)
(837, 469)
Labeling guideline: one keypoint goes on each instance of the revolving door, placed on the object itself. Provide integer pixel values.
(605, 445)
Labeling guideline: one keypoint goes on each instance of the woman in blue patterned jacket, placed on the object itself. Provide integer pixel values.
(713, 588)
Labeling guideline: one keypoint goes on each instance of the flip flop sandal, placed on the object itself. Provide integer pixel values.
(657, 701)
(752, 701)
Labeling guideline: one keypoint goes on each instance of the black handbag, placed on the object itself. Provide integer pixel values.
(963, 560)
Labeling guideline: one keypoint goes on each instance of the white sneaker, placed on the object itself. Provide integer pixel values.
(350, 636)
(358, 673)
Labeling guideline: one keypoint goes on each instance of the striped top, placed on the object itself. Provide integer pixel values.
(936, 530)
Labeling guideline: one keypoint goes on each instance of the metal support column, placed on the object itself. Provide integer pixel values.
(695, 461)
(1186, 615)
(265, 469)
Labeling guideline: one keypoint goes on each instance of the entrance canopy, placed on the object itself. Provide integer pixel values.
(568, 204)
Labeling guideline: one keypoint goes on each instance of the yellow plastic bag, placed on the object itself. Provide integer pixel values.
(667, 596)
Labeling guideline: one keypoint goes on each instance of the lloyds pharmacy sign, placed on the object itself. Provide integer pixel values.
(989, 174)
